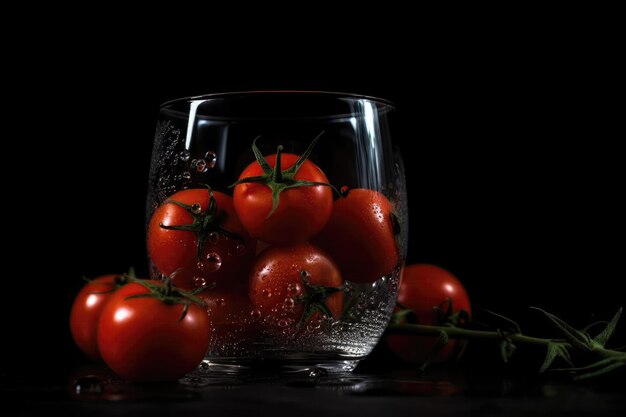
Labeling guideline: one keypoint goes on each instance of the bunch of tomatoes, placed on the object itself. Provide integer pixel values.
(263, 266)
(268, 262)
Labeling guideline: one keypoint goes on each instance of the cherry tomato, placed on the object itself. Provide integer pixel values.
(294, 287)
(201, 241)
(145, 338)
(360, 236)
(86, 310)
(287, 215)
(429, 291)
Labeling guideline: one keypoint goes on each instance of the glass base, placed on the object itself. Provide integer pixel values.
(310, 365)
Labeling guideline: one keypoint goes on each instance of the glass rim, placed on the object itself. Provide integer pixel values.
(252, 93)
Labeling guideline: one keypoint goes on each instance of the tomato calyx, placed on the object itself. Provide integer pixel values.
(444, 315)
(167, 293)
(314, 299)
(118, 281)
(277, 179)
(204, 222)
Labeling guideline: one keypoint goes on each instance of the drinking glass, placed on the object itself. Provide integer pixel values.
(313, 281)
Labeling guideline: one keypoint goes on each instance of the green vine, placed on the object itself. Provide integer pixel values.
(597, 358)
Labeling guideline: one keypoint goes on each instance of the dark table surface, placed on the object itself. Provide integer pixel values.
(92, 390)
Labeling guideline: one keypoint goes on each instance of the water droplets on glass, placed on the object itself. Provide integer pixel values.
(315, 324)
(88, 385)
(213, 261)
(293, 289)
(184, 155)
(200, 165)
(199, 282)
(210, 159)
(213, 238)
(289, 303)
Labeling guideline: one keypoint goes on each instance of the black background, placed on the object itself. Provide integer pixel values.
(514, 174)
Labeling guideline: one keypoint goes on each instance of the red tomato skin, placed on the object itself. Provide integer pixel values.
(86, 311)
(360, 236)
(423, 287)
(275, 279)
(302, 212)
(176, 251)
(141, 339)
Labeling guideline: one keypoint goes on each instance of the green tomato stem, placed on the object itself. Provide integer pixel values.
(459, 333)
(467, 334)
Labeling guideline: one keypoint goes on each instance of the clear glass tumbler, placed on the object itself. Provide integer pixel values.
(286, 213)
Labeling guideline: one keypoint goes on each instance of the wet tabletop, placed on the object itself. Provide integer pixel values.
(92, 390)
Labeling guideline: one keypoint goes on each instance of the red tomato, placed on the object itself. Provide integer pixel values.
(360, 236)
(294, 287)
(227, 249)
(86, 312)
(144, 338)
(424, 287)
(302, 211)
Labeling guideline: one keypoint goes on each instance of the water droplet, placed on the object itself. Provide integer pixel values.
(289, 303)
(315, 324)
(304, 275)
(266, 293)
(199, 282)
(255, 313)
(88, 385)
(200, 165)
(344, 191)
(213, 238)
(196, 380)
(200, 265)
(184, 155)
(186, 175)
(293, 289)
(211, 159)
(317, 372)
(196, 208)
(221, 302)
(213, 262)
(204, 365)
(283, 323)
(240, 249)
